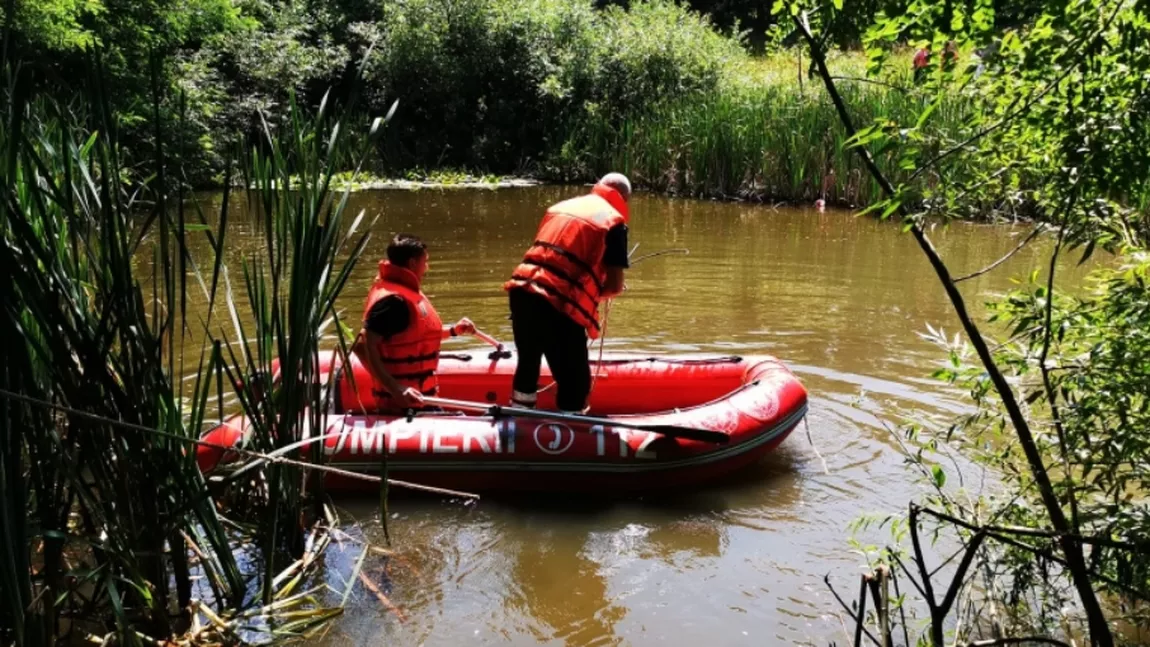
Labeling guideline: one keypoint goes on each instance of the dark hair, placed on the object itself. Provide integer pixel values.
(405, 248)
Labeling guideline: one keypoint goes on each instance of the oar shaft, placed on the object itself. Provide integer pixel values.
(495, 409)
(706, 435)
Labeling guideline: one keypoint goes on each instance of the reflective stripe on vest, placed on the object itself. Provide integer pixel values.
(410, 356)
(565, 262)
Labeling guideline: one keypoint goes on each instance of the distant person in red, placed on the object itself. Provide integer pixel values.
(402, 333)
(921, 60)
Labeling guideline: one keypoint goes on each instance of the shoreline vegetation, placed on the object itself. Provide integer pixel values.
(553, 90)
(766, 134)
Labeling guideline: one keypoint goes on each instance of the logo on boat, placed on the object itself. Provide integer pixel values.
(553, 438)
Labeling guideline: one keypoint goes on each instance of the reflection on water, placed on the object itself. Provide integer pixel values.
(839, 298)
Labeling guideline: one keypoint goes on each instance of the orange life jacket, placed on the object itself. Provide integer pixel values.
(565, 263)
(411, 356)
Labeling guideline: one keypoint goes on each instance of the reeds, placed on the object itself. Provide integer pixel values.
(106, 523)
(766, 134)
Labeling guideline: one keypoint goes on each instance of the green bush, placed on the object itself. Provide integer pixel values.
(493, 83)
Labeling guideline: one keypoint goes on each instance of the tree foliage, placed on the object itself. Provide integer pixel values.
(1058, 113)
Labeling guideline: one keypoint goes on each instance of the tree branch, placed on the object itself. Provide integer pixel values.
(1026, 106)
(1038, 533)
(1047, 384)
(846, 607)
(1029, 237)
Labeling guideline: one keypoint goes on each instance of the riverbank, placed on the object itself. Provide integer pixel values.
(556, 91)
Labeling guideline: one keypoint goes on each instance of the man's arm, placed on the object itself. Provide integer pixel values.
(461, 327)
(613, 286)
(615, 260)
(389, 316)
(374, 363)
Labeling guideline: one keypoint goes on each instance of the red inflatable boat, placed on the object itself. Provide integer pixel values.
(754, 402)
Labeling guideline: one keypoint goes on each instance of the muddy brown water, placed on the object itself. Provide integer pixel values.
(840, 299)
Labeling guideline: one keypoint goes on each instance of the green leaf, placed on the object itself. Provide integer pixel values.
(1089, 251)
(938, 475)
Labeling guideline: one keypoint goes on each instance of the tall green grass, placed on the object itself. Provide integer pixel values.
(765, 134)
(105, 519)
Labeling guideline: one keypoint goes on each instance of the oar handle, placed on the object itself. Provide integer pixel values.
(488, 338)
(500, 352)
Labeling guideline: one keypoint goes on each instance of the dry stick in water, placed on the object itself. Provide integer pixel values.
(381, 597)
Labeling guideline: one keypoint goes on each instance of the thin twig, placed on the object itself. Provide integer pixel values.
(1047, 384)
(846, 607)
(676, 250)
(893, 86)
(1031, 236)
(1039, 533)
(901, 608)
(381, 597)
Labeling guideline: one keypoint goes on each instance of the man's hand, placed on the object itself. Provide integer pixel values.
(411, 398)
(464, 327)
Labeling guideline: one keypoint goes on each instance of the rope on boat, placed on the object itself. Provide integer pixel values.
(607, 315)
(807, 424)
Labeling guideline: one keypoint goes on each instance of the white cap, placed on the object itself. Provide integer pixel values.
(619, 182)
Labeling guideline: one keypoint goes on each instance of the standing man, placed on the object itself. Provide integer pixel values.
(402, 333)
(577, 259)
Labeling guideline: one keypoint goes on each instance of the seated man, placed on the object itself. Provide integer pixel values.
(401, 335)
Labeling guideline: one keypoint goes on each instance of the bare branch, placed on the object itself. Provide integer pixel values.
(846, 607)
(1031, 236)
(1047, 384)
(861, 621)
(1041, 534)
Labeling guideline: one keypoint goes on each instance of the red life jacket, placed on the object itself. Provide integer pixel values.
(411, 356)
(565, 263)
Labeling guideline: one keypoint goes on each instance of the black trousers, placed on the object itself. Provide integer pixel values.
(542, 331)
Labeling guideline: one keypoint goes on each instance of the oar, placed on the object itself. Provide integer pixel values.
(499, 352)
(496, 411)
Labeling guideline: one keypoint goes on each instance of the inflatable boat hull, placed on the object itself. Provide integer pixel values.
(756, 402)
